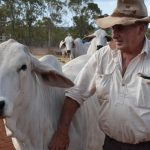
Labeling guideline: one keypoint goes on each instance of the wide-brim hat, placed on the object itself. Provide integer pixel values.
(127, 12)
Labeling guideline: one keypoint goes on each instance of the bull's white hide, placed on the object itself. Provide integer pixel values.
(93, 47)
(87, 116)
(30, 89)
(80, 48)
(72, 68)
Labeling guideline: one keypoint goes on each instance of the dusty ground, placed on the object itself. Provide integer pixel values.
(39, 52)
(5, 142)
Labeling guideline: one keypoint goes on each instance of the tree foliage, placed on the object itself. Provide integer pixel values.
(38, 22)
(148, 33)
(85, 12)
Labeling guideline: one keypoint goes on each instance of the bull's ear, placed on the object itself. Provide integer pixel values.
(88, 38)
(62, 44)
(54, 78)
(49, 75)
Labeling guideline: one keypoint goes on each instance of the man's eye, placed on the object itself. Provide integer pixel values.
(23, 68)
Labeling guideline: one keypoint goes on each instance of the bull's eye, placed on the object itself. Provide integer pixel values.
(23, 68)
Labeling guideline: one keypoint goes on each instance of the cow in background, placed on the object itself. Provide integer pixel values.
(31, 98)
(98, 39)
(74, 48)
(66, 46)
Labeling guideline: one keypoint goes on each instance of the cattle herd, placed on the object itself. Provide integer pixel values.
(88, 45)
(32, 95)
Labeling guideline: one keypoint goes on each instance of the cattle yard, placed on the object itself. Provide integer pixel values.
(39, 52)
(5, 142)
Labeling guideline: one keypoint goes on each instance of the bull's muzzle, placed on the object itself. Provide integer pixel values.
(68, 51)
(99, 46)
(2, 105)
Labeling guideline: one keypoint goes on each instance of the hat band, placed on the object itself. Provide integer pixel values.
(118, 14)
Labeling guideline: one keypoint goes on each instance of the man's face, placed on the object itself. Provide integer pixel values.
(127, 37)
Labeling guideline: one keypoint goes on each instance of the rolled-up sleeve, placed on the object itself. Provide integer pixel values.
(84, 82)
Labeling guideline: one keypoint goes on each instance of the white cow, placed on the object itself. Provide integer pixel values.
(73, 67)
(94, 136)
(31, 100)
(98, 39)
(73, 47)
(63, 49)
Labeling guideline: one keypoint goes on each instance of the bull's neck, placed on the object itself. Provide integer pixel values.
(38, 114)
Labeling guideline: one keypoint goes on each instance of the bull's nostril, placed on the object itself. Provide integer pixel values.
(2, 104)
(99, 46)
(68, 51)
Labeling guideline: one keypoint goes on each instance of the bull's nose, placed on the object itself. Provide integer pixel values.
(68, 51)
(2, 104)
(99, 46)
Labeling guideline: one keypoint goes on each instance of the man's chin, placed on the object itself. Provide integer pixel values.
(119, 46)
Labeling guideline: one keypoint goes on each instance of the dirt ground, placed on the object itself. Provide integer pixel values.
(39, 52)
(5, 142)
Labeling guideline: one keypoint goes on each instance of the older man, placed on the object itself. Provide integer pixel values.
(121, 79)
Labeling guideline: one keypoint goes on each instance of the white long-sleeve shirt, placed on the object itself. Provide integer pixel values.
(124, 101)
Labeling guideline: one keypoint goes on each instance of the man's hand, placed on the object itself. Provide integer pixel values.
(59, 141)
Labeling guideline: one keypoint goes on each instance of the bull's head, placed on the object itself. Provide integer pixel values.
(100, 38)
(20, 73)
(68, 43)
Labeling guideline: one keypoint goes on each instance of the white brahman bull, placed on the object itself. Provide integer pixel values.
(98, 39)
(94, 136)
(63, 50)
(74, 48)
(31, 98)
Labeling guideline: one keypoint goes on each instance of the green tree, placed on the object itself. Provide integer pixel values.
(32, 10)
(55, 12)
(10, 12)
(148, 33)
(84, 12)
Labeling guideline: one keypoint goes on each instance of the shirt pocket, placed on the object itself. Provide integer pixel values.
(143, 99)
(103, 82)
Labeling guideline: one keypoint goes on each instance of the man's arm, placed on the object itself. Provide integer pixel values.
(60, 139)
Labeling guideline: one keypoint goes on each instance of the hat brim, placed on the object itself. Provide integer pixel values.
(110, 21)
